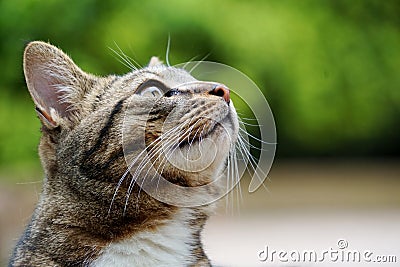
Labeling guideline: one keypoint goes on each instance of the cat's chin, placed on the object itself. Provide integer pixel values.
(206, 155)
(225, 128)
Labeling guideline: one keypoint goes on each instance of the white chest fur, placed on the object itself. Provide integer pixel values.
(169, 245)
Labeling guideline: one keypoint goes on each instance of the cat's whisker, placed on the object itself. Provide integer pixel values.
(233, 175)
(232, 182)
(237, 182)
(169, 153)
(255, 138)
(188, 62)
(246, 153)
(135, 65)
(244, 118)
(243, 133)
(247, 143)
(132, 164)
(163, 147)
(193, 139)
(229, 182)
(251, 163)
(147, 160)
(125, 59)
(153, 152)
(121, 59)
(124, 176)
(202, 133)
(228, 175)
(166, 146)
(165, 160)
(123, 63)
(249, 124)
(198, 63)
(167, 52)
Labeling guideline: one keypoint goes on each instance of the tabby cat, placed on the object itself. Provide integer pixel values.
(92, 210)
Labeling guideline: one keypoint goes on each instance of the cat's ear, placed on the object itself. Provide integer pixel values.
(155, 61)
(54, 82)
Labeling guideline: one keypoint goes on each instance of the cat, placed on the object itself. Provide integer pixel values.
(91, 211)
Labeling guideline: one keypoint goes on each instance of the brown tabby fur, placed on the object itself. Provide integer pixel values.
(81, 151)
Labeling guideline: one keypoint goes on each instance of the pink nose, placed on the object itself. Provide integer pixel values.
(222, 91)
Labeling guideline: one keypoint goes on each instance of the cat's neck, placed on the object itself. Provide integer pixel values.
(50, 240)
(175, 243)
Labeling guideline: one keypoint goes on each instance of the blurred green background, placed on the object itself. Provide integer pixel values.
(329, 69)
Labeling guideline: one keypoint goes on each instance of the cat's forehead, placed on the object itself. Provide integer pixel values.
(170, 76)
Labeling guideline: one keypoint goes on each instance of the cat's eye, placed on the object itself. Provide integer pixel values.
(171, 92)
(151, 91)
(152, 88)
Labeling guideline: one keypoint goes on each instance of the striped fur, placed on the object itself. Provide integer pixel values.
(83, 217)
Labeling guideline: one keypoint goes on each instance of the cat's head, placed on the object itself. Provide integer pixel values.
(119, 130)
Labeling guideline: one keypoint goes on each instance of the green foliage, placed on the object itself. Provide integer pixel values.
(329, 69)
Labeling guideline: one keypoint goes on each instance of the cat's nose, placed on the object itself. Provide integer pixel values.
(222, 91)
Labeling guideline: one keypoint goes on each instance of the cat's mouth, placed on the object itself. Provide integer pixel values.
(207, 129)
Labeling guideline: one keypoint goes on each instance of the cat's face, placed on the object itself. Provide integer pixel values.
(123, 129)
(190, 125)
